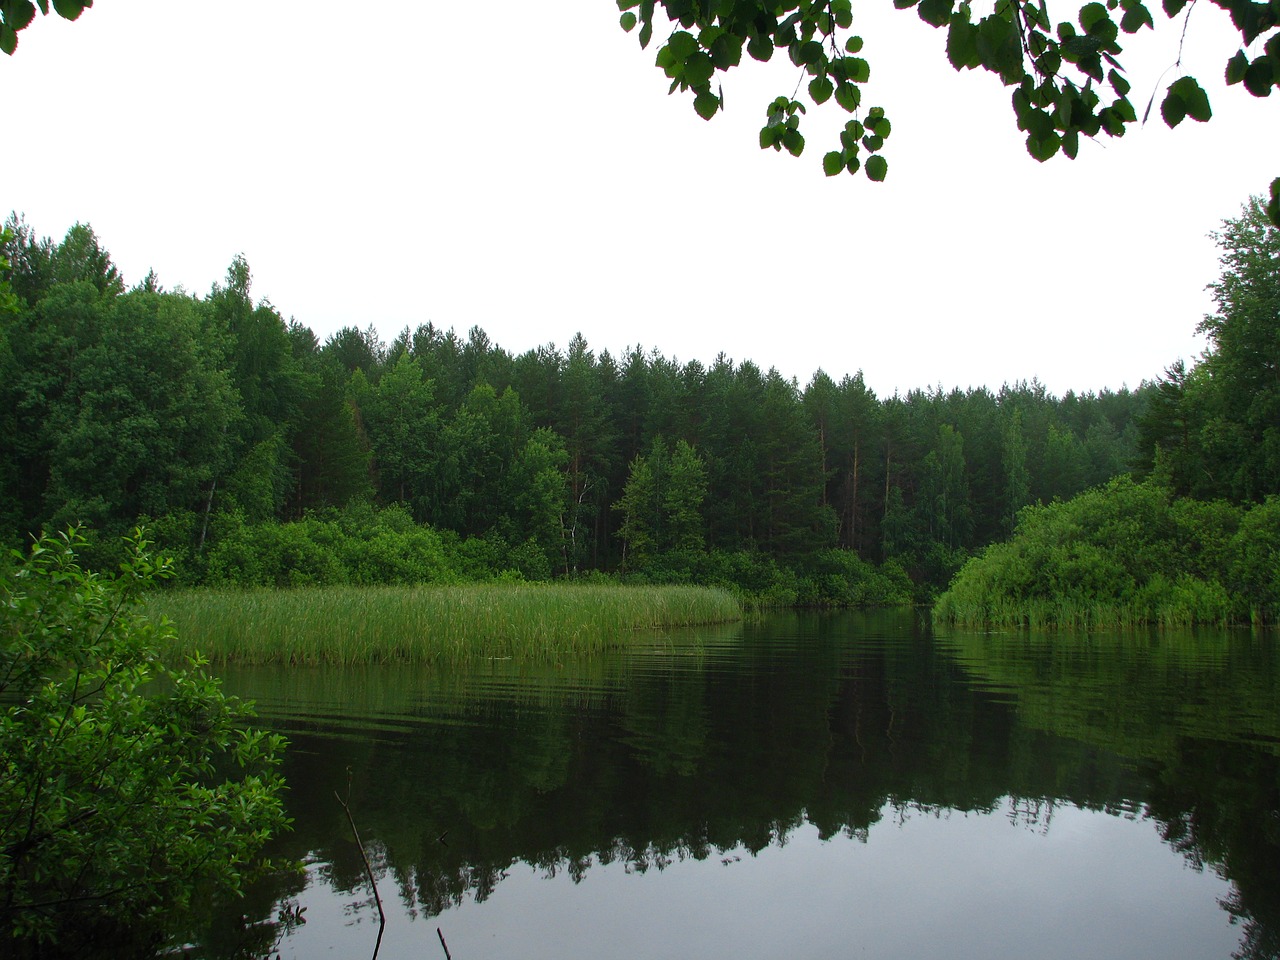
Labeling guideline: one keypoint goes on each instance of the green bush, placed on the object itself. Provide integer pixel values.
(1125, 553)
(127, 786)
(1254, 562)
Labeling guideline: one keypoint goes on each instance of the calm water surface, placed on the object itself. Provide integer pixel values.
(812, 786)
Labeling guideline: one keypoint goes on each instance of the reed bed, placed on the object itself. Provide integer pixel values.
(425, 624)
(1070, 614)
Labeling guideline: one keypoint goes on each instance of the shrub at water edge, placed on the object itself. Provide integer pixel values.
(1125, 553)
(126, 786)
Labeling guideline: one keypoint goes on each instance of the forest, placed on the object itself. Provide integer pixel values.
(1194, 535)
(258, 455)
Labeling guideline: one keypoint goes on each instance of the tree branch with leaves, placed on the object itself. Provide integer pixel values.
(1067, 77)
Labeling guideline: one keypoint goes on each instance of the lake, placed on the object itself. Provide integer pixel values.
(806, 786)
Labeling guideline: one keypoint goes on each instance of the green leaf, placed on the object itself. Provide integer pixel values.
(1273, 207)
(1118, 83)
(698, 69)
(710, 35)
(18, 14)
(706, 104)
(833, 163)
(726, 52)
(1135, 18)
(646, 34)
(872, 143)
(1172, 108)
(820, 89)
(1259, 78)
(854, 69)
(853, 45)
(1091, 14)
(1236, 67)
(851, 136)
(793, 141)
(682, 45)
(8, 39)
(809, 52)
(998, 47)
(628, 21)
(853, 164)
(1195, 101)
(880, 126)
(1039, 125)
(1071, 143)
(767, 136)
(70, 9)
(1050, 62)
(1172, 7)
(848, 96)
(935, 12)
(962, 43)
(877, 167)
(760, 47)
(1043, 149)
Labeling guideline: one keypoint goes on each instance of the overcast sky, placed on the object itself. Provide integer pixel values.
(519, 166)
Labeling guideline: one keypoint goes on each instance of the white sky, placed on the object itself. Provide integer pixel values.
(518, 166)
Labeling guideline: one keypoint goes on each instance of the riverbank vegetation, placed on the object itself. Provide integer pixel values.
(130, 785)
(435, 624)
(1125, 554)
(258, 455)
(1197, 539)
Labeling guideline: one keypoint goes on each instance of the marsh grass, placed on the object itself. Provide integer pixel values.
(424, 624)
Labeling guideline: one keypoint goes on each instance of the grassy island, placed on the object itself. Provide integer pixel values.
(349, 625)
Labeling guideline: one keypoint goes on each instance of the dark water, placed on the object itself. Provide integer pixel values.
(812, 786)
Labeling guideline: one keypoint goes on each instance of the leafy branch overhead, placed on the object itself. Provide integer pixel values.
(1067, 77)
(17, 15)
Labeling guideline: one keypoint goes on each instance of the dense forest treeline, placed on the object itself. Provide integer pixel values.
(257, 454)
(1197, 537)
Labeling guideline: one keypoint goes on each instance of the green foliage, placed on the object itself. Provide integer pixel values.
(1067, 79)
(661, 503)
(1121, 554)
(1214, 430)
(8, 300)
(360, 545)
(242, 440)
(841, 578)
(1254, 560)
(128, 787)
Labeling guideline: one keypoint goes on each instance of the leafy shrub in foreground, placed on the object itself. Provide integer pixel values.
(126, 786)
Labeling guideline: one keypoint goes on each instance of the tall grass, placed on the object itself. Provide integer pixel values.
(423, 624)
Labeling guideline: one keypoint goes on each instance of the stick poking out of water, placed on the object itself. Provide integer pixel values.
(440, 934)
(382, 917)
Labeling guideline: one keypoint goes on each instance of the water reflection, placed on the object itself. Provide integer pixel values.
(809, 786)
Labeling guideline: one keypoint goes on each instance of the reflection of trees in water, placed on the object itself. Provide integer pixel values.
(707, 758)
(1219, 805)
(1200, 713)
